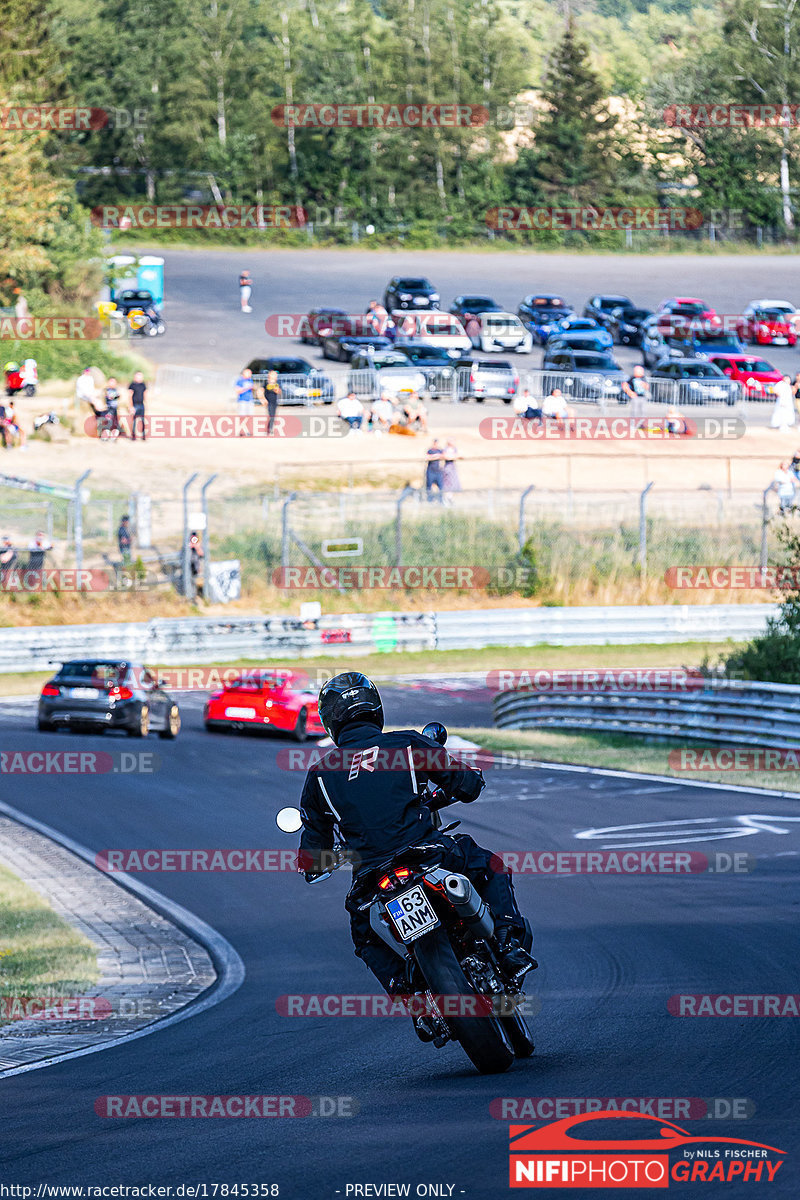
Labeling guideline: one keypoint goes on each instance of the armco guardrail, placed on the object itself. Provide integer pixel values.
(733, 712)
(211, 639)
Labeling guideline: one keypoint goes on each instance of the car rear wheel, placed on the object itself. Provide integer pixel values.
(173, 725)
(141, 726)
(45, 726)
(300, 731)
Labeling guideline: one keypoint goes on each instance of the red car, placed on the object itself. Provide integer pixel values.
(768, 324)
(687, 306)
(756, 375)
(265, 700)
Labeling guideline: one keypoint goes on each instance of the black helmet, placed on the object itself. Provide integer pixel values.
(349, 697)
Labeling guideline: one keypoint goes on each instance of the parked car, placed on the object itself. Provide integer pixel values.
(660, 341)
(110, 693)
(703, 344)
(697, 380)
(597, 340)
(385, 371)
(265, 701)
(322, 321)
(541, 312)
(625, 325)
(785, 308)
(462, 306)
(436, 364)
(500, 331)
(756, 375)
(687, 306)
(434, 329)
(582, 375)
(487, 378)
(766, 323)
(410, 291)
(300, 383)
(342, 346)
(579, 325)
(601, 307)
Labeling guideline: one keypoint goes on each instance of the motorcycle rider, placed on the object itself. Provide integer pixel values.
(379, 811)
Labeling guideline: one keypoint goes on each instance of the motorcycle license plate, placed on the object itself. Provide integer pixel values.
(412, 914)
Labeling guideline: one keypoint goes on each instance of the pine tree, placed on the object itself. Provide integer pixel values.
(575, 137)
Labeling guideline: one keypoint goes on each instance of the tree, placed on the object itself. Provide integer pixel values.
(574, 147)
(775, 655)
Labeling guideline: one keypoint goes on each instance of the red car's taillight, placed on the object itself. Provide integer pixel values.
(50, 689)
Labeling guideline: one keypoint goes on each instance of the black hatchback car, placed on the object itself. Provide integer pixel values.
(107, 694)
(407, 291)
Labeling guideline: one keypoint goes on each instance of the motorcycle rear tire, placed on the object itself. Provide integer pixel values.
(483, 1039)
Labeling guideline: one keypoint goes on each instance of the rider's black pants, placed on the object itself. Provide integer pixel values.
(461, 854)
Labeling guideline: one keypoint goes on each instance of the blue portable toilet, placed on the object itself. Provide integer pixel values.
(150, 276)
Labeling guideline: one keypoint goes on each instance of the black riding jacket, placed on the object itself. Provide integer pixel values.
(369, 786)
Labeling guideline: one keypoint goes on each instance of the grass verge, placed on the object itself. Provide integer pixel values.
(40, 954)
(619, 753)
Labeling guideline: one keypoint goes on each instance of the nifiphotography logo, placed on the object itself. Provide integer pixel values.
(573, 1153)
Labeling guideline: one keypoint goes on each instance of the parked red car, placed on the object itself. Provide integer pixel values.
(265, 700)
(768, 324)
(756, 375)
(687, 306)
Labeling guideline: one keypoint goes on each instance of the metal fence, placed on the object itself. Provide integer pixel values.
(731, 712)
(259, 639)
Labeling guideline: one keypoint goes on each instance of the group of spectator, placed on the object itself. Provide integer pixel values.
(248, 394)
(384, 414)
(107, 410)
(37, 550)
(441, 472)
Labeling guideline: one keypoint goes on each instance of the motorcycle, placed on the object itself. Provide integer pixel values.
(146, 321)
(441, 930)
(21, 378)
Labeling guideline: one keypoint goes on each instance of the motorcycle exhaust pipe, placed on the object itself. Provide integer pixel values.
(469, 905)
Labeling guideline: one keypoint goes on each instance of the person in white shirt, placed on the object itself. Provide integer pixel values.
(382, 416)
(525, 406)
(556, 408)
(351, 410)
(783, 414)
(785, 485)
(85, 389)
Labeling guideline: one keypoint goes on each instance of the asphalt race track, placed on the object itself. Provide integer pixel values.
(612, 951)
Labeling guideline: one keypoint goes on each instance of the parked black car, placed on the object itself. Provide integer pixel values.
(107, 694)
(601, 307)
(582, 375)
(698, 382)
(322, 321)
(342, 346)
(410, 291)
(625, 325)
(462, 306)
(300, 383)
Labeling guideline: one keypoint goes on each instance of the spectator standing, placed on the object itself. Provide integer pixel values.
(244, 395)
(137, 390)
(111, 398)
(272, 391)
(245, 291)
(124, 540)
(783, 414)
(450, 481)
(37, 549)
(785, 485)
(637, 389)
(85, 390)
(21, 310)
(794, 465)
(351, 410)
(12, 427)
(433, 470)
(195, 554)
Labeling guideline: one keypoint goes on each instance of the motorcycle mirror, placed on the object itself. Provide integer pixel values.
(436, 731)
(289, 820)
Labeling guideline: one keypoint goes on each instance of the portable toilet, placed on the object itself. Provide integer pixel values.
(122, 274)
(151, 277)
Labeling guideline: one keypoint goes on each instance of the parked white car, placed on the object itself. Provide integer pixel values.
(499, 331)
(434, 329)
(384, 371)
